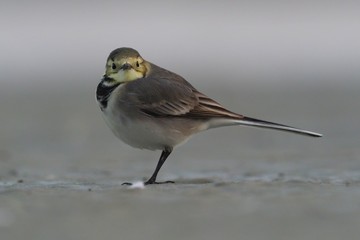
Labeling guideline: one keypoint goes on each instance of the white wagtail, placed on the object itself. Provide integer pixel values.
(149, 107)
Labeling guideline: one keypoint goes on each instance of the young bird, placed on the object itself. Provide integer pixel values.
(149, 107)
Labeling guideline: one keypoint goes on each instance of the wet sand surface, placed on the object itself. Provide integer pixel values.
(61, 170)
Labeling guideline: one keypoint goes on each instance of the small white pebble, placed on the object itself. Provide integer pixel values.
(137, 185)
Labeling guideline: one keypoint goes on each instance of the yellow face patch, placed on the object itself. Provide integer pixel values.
(125, 75)
(126, 69)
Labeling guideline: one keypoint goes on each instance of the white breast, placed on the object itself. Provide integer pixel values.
(139, 130)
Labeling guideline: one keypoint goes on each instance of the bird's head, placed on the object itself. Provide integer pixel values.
(124, 65)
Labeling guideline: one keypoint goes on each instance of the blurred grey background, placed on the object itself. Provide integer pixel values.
(292, 62)
(260, 42)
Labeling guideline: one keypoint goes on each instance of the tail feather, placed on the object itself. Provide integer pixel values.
(265, 124)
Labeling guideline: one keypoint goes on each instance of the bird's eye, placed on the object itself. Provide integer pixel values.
(113, 66)
(137, 64)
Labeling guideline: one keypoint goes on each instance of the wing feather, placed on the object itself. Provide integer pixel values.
(208, 108)
(164, 93)
(160, 96)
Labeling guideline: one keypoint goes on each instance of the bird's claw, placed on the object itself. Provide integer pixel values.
(153, 182)
(126, 184)
(147, 183)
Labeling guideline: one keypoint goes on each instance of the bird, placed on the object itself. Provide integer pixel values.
(149, 107)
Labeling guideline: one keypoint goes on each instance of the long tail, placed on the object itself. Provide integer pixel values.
(220, 117)
(264, 124)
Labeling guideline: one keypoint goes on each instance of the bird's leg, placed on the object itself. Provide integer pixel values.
(152, 180)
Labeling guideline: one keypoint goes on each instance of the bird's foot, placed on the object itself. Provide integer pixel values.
(147, 183)
(126, 184)
(153, 182)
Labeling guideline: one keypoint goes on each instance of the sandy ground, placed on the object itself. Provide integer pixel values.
(61, 170)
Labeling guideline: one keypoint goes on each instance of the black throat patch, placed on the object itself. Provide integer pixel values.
(103, 92)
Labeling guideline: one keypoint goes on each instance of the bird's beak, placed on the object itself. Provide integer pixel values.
(126, 66)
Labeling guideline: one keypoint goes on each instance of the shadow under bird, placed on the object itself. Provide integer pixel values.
(149, 107)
